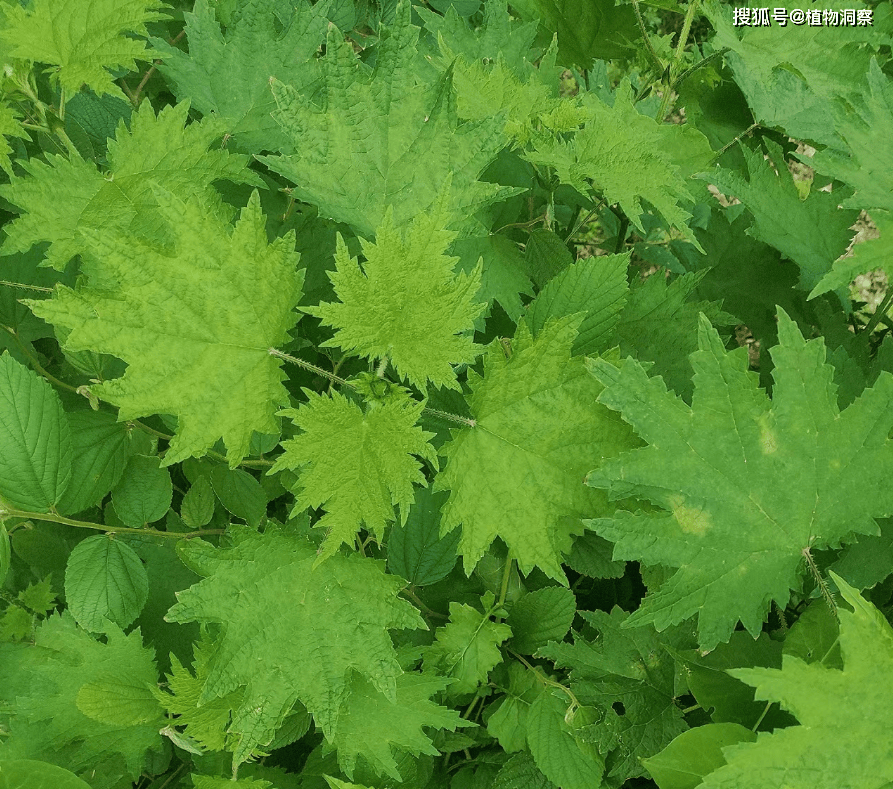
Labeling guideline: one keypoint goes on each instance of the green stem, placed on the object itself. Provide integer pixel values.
(677, 56)
(654, 56)
(35, 362)
(760, 719)
(879, 313)
(52, 517)
(738, 138)
(545, 680)
(506, 576)
(23, 286)
(211, 453)
(826, 592)
(700, 64)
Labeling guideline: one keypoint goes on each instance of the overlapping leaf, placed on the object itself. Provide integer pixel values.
(749, 484)
(195, 323)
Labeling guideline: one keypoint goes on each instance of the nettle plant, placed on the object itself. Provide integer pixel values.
(445, 395)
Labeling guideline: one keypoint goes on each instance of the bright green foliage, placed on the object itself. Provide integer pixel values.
(541, 616)
(840, 712)
(144, 493)
(405, 304)
(10, 126)
(335, 622)
(370, 724)
(416, 549)
(229, 73)
(36, 600)
(632, 668)
(467, 648)
(82, 40)
(735, 528)
(210, 782)
(871, 255)
(357, 146)
(628, 157)
(812, 232)
(81, 704)
(516, 474)
(105, 581)
(164, 320)
(63, 200)
(35, 462)
(357, 465)
(659, 324)
(29, 774)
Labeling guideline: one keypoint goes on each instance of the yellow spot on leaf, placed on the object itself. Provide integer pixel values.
(692, 520)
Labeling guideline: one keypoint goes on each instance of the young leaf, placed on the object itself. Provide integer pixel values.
(735, 527)
(10, 126)
(335, 621)
(81, 39)
(166, 321)
(35, 463)
(405, 304)
(357, 465)
(197, 507)
(144, 493)
(105, 581)
(46, 683)
(840, 713)
(517, 473)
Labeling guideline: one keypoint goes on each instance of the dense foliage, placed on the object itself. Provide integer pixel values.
(450, 395)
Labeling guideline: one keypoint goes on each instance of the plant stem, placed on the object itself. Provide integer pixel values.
(826, 592)
(35, 362)
(654, 56)
(52, 517)
(23, 286)
(460, 420)
(738, 138)
(879, 313)
(545, 680)
(506, 576)
(667, 99)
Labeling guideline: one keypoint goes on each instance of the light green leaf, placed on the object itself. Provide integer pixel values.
(541, 616)
(81, 39)
(695, 753)
(197, 507)
(337, 622)
(10, 126)
(357, 465)
(240, 493)
(28, 774)
(144, 493)
(516, 474)
(212, 782)
(416, 550)
(466, 648)
(178, 353)
(35, 463)
(734, 526)
(840, 712)
(118, 702)
(105, 580)
(405, 304)
(101, 449)
(562, 757)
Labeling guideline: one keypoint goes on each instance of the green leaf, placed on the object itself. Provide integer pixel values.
(733, 525)
(240, 493)
(416, 550)
(63, 199)
(191, 346)
(372, 725)
(35, 464)
(42, 683)
(695, 753)
(869, 560)
(144, 493)
(357, 465)
(228, 73)
(547, 256)
(629, 157)
(197, 507)
(336, 622)
(466, 648)
(840, 712)
(516, 474)
(28, 774)
(91, 121)
(541, 616)
(508, 721)
(10, 126)
(521, 772)
(5, 553)
(589, 29)
(105, 581)
(591, 555)
(405, 304)
(357, 145)
(82, 40)
(596, 286)
(101, 449)
(562, 757)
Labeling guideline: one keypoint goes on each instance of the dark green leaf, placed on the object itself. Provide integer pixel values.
(240, 493)
(144, 493)
(416, 551)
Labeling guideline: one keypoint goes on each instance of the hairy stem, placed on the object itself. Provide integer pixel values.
(666, 101)
(52, 517)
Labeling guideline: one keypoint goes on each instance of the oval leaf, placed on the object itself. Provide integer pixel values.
(105, 580)
(540, 617)
(240, 493)
(144, 493)
(35, 464)
(29, 774)
(416, 551)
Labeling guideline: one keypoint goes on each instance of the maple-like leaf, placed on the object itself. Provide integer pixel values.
(288, 631)
(841, 713)
(229, 73)
(517, 473)
(370, 724)
(64, 198)
(405, 304)
(10, 126)
(81, 39)
(84, 705)
(632, 668)
(629, 157)
(359, 145)
(356, 465)
(749, 484)
(159, 308)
